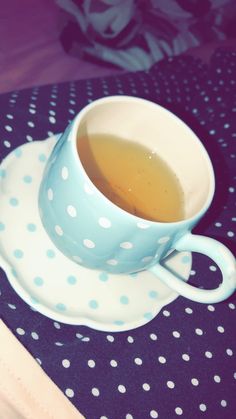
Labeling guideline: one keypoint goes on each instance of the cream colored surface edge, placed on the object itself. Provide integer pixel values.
(26, 392)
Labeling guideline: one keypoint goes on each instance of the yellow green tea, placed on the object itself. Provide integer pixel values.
(132, 177)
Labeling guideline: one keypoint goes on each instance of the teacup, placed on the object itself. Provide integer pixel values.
(94, 232)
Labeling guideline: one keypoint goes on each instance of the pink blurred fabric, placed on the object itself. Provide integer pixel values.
(30, 50)
(25, 390)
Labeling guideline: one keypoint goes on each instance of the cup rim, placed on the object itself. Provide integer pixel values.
(146, 102)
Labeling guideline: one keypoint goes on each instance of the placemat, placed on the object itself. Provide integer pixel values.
(183, 362)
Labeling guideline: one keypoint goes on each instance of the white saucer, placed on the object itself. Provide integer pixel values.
(51, 283)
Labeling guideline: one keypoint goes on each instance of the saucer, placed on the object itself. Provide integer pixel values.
(52, 284)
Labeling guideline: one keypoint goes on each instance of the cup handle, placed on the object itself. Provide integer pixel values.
(215, 250)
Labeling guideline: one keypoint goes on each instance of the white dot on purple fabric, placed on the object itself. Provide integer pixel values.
(8, 128)
(146, 386)
(104, 222)
(223, 403)
(170, 384)
(113, 363)
(130, 339)
(202, 407)
(56, 325)
(185, 357)
(35, 336)
(121, 388)
(20, 331)
(220, 329)
(91, 363)
(65, 363)
(138, 361)
(69, 392)
(88, 243)
(195, 382)
(153, 336)
(198, 332)
(208, 354)
(217, 378)
(232, 306)
(210, 308)
(162, 359)
(166, 313)
(71, 210)
(178, 411)
(176, 334)
(110, 338)
(153, 414)
(7, 143)
(95, 391)
(64, 173)
(229, 352)
(12, 306)
(188, 310)
(52, 119)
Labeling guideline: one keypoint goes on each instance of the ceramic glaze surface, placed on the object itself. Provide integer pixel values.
(53, 284)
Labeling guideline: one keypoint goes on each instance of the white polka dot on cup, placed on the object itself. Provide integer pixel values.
(88, 190)
(104, 222)
(64, 173)
(89, 243)
(163, 239)
(71, 210)
(50, 194)
(146, 259)
(126, 245)
(112, 262)
(58, 230)
(143, 225)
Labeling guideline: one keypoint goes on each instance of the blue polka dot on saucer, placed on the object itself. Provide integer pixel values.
(50, 282)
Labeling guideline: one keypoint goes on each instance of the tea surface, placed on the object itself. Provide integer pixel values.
(132, 177)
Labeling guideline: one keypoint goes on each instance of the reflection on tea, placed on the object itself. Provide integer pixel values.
(132, 177)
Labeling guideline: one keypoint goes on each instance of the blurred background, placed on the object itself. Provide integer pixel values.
(47, 41)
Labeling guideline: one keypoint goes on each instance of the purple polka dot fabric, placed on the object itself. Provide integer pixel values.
(183, 362)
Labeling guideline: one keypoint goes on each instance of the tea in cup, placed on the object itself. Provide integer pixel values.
(124, 186)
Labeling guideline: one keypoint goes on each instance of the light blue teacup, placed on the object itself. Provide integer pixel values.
(94, 232)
